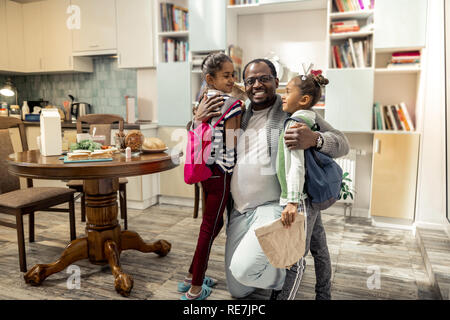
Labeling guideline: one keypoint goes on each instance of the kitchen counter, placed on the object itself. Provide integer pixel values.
(127, 126)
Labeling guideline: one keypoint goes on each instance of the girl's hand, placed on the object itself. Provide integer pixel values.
(208, 108)
(288, 214)
(300, 136)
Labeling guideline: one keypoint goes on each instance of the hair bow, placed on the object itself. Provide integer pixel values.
(316, 72)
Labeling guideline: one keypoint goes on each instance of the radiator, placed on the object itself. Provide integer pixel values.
(348, 164)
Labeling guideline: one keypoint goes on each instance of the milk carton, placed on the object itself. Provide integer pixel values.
(51, 141)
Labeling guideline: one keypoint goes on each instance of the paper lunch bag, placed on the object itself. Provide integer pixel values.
(283, 247)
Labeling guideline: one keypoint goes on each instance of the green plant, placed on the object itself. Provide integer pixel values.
(345, 189)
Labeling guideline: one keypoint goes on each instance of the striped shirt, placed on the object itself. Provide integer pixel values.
(224, 157)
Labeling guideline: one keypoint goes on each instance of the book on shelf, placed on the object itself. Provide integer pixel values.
(173, 17)
(392, 117)
(345, 26)
(174, 50)
(351, 54)
(239, 2)
(404, 60)
(352, 5)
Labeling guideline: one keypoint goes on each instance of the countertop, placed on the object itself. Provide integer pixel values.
(127, 126)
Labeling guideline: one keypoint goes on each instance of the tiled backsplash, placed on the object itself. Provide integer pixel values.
(105, 89)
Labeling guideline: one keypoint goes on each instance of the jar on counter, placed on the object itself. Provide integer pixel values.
(14, 111)
(3, 112)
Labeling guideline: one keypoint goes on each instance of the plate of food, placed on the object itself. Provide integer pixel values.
(153, 145)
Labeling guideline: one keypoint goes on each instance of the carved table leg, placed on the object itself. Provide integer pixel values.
(75, 251)
(123, 282)
(132, 240)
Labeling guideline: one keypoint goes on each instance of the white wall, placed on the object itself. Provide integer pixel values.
(431, 191)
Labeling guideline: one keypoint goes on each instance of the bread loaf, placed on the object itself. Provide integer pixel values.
(134, 140)
(154, 144)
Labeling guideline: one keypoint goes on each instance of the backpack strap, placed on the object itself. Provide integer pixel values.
(233, 104)
(303, 119)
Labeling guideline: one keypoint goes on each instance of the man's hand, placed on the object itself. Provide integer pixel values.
(208, 108)
(300, 136)
(288, 214)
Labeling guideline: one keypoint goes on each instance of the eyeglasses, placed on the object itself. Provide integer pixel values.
(262, 79)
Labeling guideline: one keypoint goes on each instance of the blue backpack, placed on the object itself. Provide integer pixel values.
(323, 176)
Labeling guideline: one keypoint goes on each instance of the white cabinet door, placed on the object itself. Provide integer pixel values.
(135, 33)
(3, 37)
(400, 24)
(33, 25)
(174, 105)
(207, 25)
(98, 25)
(14, 27)
(57, 43)
(349, 99)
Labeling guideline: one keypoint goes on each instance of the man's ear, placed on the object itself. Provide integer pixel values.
(305, 100)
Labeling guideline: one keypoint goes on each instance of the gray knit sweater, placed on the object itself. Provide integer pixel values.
(335, 143)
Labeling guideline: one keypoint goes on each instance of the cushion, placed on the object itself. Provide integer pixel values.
(30, 196)
(79, 183)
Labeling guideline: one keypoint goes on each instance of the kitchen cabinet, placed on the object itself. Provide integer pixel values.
(97, 31)
(135, 35)
(33, 36)
(57, 42)
(394, 175)
(15, 42)
(3, 36)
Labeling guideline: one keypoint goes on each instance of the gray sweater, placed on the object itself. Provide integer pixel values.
(249, 194)
(335, 143)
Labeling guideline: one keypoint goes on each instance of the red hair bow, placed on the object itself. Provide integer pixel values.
(316, 72)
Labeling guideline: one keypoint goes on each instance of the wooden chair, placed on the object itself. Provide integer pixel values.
(103, 124)
(19, 202)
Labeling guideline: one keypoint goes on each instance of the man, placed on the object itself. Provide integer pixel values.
(255, 189)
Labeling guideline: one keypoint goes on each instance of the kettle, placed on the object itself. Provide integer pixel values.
(79, 109)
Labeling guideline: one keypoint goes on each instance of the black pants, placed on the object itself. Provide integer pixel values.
(316, 242)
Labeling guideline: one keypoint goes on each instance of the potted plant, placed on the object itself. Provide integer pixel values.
(345, 189)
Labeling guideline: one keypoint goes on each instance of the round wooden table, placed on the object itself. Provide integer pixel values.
(105, 240)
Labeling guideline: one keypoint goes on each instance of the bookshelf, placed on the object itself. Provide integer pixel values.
(172, 51)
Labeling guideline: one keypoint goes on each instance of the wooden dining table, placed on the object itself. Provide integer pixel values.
(104, 240)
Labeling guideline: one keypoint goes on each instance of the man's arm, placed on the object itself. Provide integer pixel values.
(335, 143)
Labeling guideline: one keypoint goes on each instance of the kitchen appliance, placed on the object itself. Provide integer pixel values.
(78, 109)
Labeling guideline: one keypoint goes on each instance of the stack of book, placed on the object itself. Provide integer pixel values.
(352, 54)
(353, 5)
(173, 18)
(197, 60)
(404, 60)
(238, 2)
(175, 50)
(344, 26)
(392, 117)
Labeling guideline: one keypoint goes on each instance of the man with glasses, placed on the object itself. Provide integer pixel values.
(256, 191)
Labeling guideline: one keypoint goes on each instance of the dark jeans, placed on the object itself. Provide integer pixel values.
(316, 242)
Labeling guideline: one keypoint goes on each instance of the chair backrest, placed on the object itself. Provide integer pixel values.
(102, 122)
(9, 182)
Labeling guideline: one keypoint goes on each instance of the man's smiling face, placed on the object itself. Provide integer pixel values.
(260, 84)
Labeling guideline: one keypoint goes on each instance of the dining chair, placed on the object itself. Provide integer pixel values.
(20, 202)
(102, 123)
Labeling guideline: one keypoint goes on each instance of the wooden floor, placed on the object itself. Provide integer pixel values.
(357, 250)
